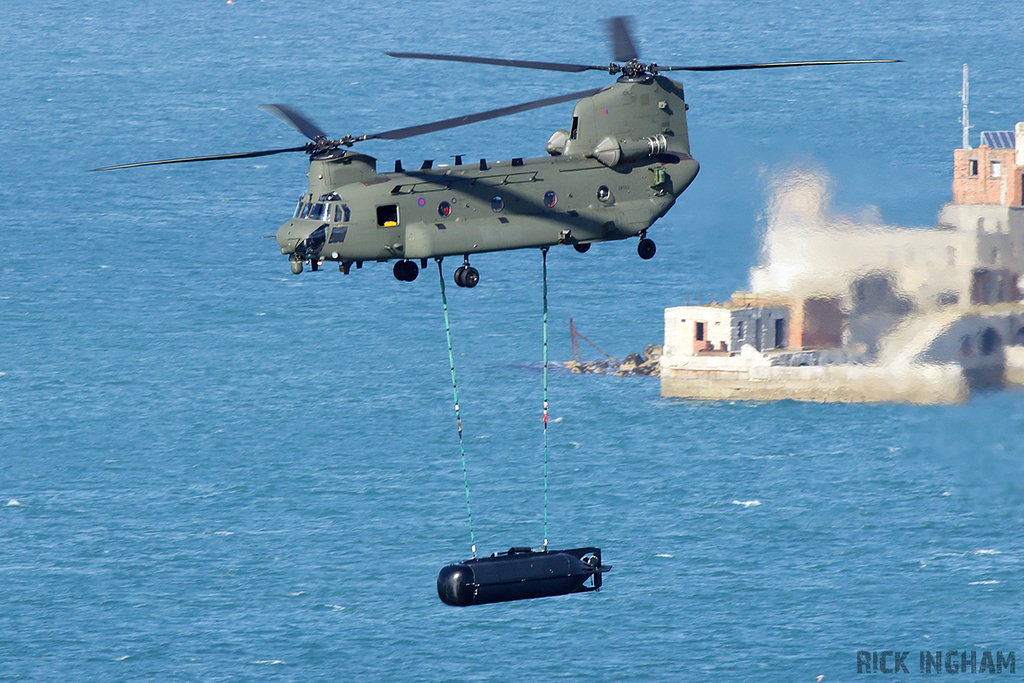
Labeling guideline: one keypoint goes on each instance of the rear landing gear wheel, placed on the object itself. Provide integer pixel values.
(646, 248)
(296, 266)
(582, 248)
(406, 271)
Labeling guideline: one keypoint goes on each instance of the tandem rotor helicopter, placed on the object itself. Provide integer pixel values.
(619, 168)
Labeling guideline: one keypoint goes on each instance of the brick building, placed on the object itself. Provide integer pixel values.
(991, 173)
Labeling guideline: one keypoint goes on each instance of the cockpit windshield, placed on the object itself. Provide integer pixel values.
(328, 208)
(316, 212)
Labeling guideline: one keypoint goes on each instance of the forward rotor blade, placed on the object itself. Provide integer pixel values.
(214, 157)
(623, 48)
(294, 119)
(773, 65)
(522, 64)
(402, 133)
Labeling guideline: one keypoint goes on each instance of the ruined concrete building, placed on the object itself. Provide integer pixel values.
(855, 310)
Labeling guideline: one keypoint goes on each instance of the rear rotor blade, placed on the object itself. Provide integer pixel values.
(522, 64)
(402, 133)
(214, 157)
(771, 65)
(623, 48)
(294, 119)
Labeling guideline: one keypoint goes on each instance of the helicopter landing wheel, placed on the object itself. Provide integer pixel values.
(406, 271)
(582, 248)
(646, 249)
(296, 266)
(467, 276)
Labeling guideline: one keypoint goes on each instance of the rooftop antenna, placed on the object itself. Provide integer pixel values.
(965, 118)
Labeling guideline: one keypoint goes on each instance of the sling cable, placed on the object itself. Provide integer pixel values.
(521, 572)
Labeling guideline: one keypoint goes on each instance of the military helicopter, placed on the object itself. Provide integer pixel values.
(619, 168)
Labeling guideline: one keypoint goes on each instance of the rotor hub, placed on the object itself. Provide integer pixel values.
(633, 70)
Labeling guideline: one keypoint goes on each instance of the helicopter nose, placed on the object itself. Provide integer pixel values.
(302, 237)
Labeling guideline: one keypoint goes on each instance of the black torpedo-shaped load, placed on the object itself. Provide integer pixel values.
(519, 574)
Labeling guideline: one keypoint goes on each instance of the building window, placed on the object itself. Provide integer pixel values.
(700, 332)
(997, 169)
(990, 341)
(739, 330)
(972, 167)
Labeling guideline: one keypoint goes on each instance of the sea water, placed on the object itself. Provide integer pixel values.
(211, 469)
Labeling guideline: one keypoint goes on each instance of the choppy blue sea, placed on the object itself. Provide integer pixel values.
(213, 470)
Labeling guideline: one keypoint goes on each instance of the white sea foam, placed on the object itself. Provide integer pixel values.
(121, 658)
(12, 503)
(983, 583)
(987, 552)
(664, 555)
(747, 503)
(269, 662)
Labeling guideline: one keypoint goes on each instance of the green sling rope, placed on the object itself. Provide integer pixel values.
(544, 268)
(458, 418)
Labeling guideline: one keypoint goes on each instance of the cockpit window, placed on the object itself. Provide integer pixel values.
(305, 210)
(341, 214)
(298, 209)
(316, 213)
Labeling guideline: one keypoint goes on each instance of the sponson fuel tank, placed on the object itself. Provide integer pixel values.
(519, 574)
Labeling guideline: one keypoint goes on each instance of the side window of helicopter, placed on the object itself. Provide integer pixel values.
(387, 216)
(497, 204)
(338, 233)
(444, 209)
(574, 133)
(341, 213)
(550, 199)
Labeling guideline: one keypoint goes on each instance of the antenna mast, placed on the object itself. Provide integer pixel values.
(965, 118)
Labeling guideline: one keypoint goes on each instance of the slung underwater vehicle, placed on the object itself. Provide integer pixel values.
(620, 166)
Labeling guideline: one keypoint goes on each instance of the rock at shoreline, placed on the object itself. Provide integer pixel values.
(646, 364)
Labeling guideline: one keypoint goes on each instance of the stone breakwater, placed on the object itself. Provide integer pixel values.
(646, 364)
